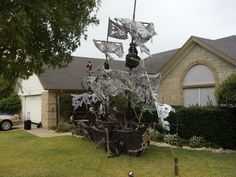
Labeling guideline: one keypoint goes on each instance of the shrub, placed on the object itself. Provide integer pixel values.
(63, 127)
(11, 104)
(183, 142)
(5, 88)
(171, 139)
(149, 117)
(197, 141)
(157, 136)
(215, 124)
(226, 92)
(66, 108)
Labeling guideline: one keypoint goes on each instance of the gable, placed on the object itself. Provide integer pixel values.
(225, 46)
(187, 47)
(31, 86)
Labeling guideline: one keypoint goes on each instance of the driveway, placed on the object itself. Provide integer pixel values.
(41, 132)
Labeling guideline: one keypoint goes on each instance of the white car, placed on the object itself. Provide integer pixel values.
(8, 120)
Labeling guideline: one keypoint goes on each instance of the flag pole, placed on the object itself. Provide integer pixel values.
(105, 65)
(129, 94)
(107, 33)
(108, 28)
(134, 10)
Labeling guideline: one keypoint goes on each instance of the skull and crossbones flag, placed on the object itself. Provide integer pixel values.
(116, 31)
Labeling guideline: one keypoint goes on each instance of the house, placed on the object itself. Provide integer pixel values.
(40, 94)
(190, 73)
(189, 76)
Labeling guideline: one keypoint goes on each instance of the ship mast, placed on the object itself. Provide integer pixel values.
(134, 10)
(130, 66)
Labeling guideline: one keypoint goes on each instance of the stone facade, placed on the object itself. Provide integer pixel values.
(171, 85)
(49, 109)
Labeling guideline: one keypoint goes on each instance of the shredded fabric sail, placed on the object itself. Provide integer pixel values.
(85, 98)
(107, 47)
(117, 82)
(140, 32)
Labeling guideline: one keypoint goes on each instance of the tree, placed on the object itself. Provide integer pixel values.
(37, 33)
(9, 101)
(10, 104)
(6, 88)
(226, 92)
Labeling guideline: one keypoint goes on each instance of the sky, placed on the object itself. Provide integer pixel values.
(175, 22)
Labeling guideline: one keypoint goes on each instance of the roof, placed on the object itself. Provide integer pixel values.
(71, 77)
(156, 62)
(226, 46)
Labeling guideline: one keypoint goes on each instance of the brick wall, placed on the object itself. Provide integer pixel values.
(49, 109)
(170, 89)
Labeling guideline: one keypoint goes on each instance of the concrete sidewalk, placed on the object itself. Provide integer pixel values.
(42, 132)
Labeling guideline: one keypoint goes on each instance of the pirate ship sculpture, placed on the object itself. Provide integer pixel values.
(117, 130)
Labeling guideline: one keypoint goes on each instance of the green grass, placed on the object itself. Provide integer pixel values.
(25, 155)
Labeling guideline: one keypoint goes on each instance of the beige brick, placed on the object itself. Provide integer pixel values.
(49, 109)
(170, 89)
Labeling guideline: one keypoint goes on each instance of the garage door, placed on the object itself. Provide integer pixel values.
(33, 108)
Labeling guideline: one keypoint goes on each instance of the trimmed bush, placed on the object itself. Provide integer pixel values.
(171, 139)
(216, 125)
(63, 127)
(66, 108)
(197, 141)
(11, 104)
(150, 117)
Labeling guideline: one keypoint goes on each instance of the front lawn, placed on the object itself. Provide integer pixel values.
(25, 155)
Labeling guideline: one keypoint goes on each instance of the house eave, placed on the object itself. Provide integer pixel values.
(192, 41)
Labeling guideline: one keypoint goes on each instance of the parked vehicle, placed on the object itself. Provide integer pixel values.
(9, 120)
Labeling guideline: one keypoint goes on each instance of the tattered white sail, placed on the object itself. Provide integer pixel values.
(85, 98)
(107, 47)
(115, 82)
(140, 32)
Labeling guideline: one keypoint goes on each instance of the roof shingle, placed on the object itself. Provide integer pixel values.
(226, 45)
(156, 62)
(71, 77)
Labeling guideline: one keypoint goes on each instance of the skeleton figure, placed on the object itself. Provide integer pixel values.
(165, 125)
(90, 67)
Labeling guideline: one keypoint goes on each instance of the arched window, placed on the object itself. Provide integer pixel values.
(199, 86)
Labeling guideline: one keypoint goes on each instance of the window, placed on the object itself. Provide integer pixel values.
(199, 86)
